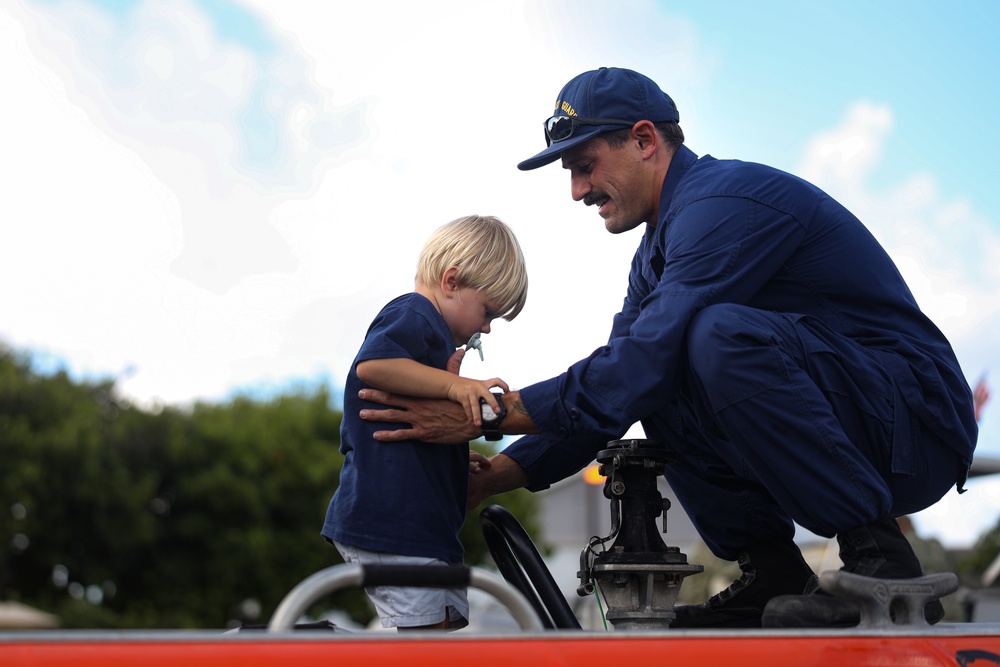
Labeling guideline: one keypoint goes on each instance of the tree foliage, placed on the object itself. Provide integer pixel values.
(116, 517)
(984, 552)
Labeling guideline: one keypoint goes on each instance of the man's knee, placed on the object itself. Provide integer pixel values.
(735, 352)
(723, 332)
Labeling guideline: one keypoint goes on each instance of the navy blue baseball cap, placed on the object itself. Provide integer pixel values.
(598, 101)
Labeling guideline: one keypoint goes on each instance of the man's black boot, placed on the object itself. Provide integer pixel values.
(879, 550)
(769, 569)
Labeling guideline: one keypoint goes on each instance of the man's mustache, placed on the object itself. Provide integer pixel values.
(594, 197)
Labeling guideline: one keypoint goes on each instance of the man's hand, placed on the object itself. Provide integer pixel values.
(430, 419)
(438, 420)
(503, 474)
(477, 462)
(454, 364)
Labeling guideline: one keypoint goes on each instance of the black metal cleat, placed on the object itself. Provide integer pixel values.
(889, 603)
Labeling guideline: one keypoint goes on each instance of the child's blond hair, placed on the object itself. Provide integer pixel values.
(488, 258)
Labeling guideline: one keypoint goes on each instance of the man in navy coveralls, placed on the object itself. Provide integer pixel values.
(766, 338)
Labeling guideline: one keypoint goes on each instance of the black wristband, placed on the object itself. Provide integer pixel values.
(492, 419)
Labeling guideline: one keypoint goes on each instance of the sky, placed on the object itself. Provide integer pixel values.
(202, 199)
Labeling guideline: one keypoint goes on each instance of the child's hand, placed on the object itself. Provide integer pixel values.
(467, 392)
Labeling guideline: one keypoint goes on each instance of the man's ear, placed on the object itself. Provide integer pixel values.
(644, 133)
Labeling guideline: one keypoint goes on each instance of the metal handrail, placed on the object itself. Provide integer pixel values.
(326, 581)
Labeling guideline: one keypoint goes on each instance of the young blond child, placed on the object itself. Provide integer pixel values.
(404, 502)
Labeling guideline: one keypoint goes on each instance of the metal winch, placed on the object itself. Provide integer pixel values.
(639, 576)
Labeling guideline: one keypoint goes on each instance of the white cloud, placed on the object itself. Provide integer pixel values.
(144, 244)
(154, 195)
(226, 276)
(845, 155)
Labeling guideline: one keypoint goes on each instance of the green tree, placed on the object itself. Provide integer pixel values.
(982, 555)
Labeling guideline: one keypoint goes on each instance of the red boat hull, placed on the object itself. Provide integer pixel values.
(969, 646)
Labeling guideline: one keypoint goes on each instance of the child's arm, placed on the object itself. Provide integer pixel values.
(409, 377)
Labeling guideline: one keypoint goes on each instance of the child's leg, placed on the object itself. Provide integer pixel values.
(407, 608)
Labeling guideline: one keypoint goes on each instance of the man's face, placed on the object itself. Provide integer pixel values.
(612, 179)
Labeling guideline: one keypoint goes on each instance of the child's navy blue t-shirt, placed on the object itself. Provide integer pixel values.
(405, 498)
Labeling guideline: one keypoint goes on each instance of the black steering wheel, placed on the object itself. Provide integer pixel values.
(521, 565)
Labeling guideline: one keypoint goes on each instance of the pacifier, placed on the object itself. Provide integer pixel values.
(475, 344)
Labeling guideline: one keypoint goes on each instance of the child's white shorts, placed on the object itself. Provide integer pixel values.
(406, 607)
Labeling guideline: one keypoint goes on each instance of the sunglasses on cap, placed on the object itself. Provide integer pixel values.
(560, 128)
